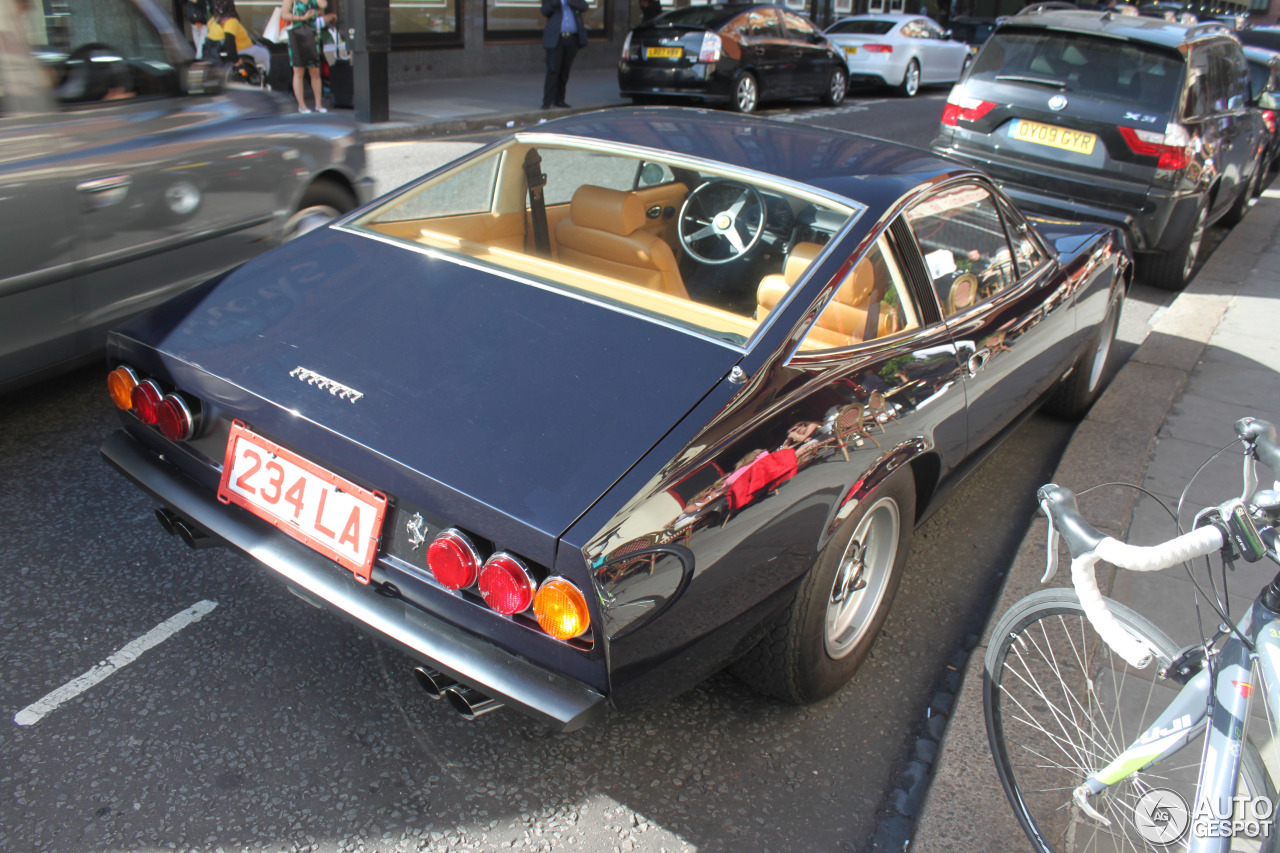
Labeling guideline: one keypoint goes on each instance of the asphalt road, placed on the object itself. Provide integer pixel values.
(194, 704)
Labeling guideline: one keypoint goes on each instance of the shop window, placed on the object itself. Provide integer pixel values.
(520, 20)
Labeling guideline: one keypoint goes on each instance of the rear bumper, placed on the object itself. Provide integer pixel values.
(553, 699)
(699, 80)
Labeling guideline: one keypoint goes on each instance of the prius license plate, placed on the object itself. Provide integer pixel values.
(1053, 136)
(663, 52)
(326, 512)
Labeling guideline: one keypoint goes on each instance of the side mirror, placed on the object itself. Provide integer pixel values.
(203, 78)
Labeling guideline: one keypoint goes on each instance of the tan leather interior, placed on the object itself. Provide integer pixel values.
(497, 229)
(844, 321)
(604, 234)
(775, 285)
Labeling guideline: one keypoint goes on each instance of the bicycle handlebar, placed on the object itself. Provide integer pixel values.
(1087, 545)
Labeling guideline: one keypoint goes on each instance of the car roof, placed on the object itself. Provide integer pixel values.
(1261, 54)
(1134, 27)
(862, 169)
(727, 11)
(893, 17)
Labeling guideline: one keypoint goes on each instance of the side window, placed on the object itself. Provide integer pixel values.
(1027, 253)
(569, 168)
(931, 30)
(964, 245)
(653, 175)
(797, 27)
(913, 30)
(1198, 101)
(103, 50)
(761, 23)
(463, 191)
(872, 302)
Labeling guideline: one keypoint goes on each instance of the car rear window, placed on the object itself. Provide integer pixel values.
(693, 16)
(1103, 69)
(861, 28)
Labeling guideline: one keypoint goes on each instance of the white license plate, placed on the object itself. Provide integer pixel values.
(313, 505)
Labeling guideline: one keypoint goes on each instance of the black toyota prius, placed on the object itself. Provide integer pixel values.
(738, 54)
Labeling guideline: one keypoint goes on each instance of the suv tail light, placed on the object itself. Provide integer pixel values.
(1269, 119)
(710, 51)
(967, 109)
(1170, 147)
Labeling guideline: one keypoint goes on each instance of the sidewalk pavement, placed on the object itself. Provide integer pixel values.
(1211, 358)
(471, 104)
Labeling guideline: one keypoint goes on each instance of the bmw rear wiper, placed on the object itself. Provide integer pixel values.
(1038, 81)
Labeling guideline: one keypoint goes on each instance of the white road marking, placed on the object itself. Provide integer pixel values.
(36, 711)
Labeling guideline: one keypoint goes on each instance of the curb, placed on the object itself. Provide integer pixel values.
(402, 131)
(964, 806)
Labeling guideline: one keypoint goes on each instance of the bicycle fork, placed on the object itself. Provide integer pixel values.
(1231, 670)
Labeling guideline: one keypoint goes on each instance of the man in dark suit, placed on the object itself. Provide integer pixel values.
(562, 36)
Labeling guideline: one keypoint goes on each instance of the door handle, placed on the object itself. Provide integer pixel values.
(979, 360)
(104, 192)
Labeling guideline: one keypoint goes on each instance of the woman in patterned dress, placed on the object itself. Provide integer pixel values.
(303, 13)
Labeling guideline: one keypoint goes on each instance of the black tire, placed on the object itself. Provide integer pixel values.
(1081, 387)
(746, 93)
(1172, 270)
(1044, 657)
(1244, 199)
(837, 85)
(910, 84)
(821, 639)
(323, 201)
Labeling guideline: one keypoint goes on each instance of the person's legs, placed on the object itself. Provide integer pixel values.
(569, 46)
(314, 71)
(297, 89)
(551, 85)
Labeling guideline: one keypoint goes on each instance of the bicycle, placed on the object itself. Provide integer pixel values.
(1088, 704)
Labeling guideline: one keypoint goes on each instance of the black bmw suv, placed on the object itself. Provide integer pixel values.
(1131, 121)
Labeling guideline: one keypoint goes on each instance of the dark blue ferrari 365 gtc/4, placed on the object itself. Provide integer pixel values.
(601, 408)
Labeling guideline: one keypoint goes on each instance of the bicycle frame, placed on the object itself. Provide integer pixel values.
(1223, 688)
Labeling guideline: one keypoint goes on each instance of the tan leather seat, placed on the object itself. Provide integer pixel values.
(775, 285)
(844, 321)
(602, 234)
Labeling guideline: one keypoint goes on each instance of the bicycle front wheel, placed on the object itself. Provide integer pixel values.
(1060, 705)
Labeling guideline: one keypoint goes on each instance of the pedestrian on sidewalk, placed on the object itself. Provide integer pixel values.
(562, 36)
(304, 47)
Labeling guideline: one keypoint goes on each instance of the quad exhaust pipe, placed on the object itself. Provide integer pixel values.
(467, 701)
(175, 525)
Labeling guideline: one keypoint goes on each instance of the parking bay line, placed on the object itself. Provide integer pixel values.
(127, 654)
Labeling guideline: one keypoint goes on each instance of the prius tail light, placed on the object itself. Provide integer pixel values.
(1269, 119)
(710, 51)
(561, 609)
(961, 108)
(1172, 148)
(120, 385)
(453, 559)
(505, 584)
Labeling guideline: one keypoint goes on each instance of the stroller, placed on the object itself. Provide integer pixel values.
(250, 66)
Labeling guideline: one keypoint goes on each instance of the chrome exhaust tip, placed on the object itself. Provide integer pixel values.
(167, 520)
(469, 702)
(194, 538)
(435, 683)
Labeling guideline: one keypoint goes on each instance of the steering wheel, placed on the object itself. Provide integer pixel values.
(721, 221)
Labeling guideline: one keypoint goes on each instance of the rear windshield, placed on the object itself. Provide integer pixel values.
(861, 28)
(694, 16)
(1103, 69)
(1270, 39)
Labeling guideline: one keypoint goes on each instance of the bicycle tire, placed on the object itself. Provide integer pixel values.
(1042, 651)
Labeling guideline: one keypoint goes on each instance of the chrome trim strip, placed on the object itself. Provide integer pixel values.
(552, 698)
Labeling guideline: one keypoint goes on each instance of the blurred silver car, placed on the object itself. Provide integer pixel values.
(129, 171)
(902, 51)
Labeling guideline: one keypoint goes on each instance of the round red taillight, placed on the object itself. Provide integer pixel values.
(146, 399)
(505, 584)
(453, 560)
(120, 385)
(174, 418)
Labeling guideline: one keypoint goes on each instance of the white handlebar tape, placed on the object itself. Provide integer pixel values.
(1201, 541)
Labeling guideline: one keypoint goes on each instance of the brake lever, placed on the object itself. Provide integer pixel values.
(1052, 567)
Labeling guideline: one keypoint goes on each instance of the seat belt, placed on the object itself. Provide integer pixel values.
(872, 329)
(537, 204)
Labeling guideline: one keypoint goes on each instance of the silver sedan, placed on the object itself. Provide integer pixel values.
(903, 51)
